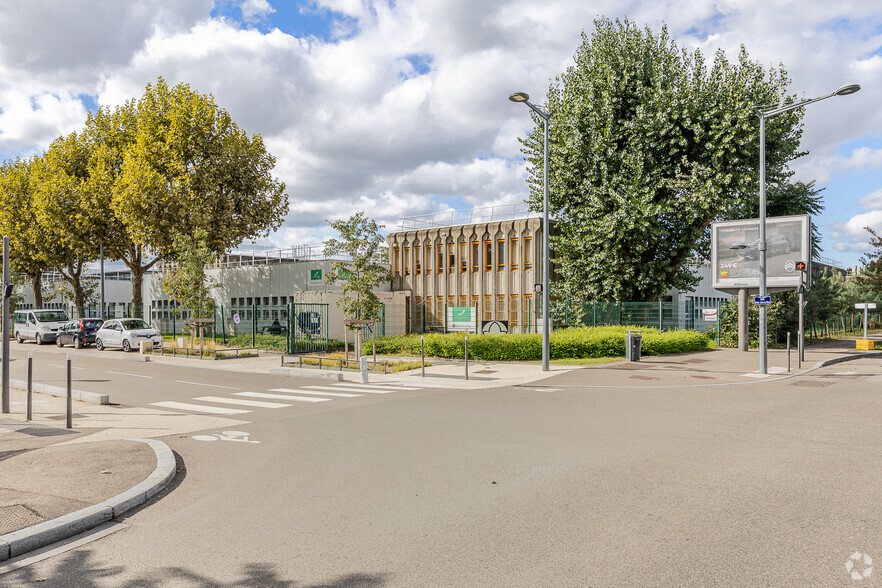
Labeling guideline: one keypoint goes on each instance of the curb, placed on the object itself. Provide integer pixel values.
(849, 357)
(307, 373)
(90, 397)
(48, 532)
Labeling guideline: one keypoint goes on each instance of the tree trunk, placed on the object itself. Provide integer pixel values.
(37, 286)
(137, 282)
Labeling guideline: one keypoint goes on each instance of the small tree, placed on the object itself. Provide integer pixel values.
(363, 268)
(187, 282)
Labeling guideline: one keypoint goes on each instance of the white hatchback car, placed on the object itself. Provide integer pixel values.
(126, 333)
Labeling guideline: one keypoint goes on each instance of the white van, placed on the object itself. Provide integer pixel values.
(39, 324)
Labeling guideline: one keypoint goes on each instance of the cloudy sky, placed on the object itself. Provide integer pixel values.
(400, 107)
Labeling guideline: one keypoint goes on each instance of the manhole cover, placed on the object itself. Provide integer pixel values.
(696, 360)
(17, 517)
(813, 383)
(45, 431)
(625, 366)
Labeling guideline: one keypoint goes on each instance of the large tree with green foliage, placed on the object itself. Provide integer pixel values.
(363, 265)
(649, 145)
(186, 280)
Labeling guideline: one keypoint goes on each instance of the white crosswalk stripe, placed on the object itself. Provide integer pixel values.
(337, 387)
(198, 408)
(298, 391)
(240, 402)
(378, 386)
(281, 397)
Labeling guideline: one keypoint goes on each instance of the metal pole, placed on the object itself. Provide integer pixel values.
(801, 342)
(5, 327)
(30, 384)
(467, 357)
(423, 355)
(865, 325)
(101, 288)
(743, 310)
(788, 352)
(69, 397)
(546, 261)
(761, 246)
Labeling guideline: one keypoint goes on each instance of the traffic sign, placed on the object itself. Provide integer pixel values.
(762, 300)
(865, 306)
(236, 318)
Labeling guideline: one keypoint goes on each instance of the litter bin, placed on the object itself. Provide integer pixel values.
(632, 345)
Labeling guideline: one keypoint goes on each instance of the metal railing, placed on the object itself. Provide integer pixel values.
(320, 361)
(451, 218)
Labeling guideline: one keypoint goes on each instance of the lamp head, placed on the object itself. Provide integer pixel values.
(519, 97)
(848, 89)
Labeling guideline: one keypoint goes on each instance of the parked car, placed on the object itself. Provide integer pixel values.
(39, 324)
(126, 333)
(79, 333)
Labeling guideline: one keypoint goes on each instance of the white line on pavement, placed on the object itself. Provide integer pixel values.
(382, 387)
(293, 391)
(280, 396)
(199, 408)
(254, 403)
(365, 390)
(61, 366)
(207, 385)
(126, 374)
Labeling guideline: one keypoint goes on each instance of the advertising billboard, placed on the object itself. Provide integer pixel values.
(735, 253)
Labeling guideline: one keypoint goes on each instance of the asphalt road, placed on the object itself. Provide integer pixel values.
(770, 484)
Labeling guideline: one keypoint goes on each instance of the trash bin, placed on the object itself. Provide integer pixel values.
(632, 345)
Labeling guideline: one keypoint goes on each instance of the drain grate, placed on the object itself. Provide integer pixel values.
(17, 517)
(639, 377)
(484, 372)
(696, 360)
(624, 366)
(813, 383)
(704, 377)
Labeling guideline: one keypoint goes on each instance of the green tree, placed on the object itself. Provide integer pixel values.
(363, 268)
(18, 221)
(648, 146)
(174, 163)
(187, 281)
(871, 276)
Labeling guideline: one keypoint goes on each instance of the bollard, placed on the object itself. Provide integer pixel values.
(30, 384)
(69, 397)
(423, 355)
(467, 356)
(364, 370)
(788, 352)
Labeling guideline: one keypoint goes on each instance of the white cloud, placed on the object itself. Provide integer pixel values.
(255, 10)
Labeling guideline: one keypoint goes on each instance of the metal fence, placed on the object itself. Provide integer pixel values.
(291, 328)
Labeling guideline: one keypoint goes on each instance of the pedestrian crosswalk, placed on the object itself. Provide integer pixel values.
(237, 403)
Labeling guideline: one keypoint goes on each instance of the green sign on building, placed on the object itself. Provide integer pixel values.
(315, 274)
(462, 318)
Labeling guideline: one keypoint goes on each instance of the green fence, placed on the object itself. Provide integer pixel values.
(290, 328)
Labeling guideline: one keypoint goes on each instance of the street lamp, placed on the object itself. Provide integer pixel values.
(546, 261)
(768, 112)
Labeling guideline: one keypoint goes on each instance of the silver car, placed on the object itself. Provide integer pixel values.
(126, 333)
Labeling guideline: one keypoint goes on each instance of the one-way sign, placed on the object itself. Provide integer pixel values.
(762, 300)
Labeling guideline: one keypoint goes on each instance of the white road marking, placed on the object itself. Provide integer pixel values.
(198, 408)
(365, 390)
(280, 396)
(207, 385)
(61, 366)
(253, 403)
(127, 374)
(293, 391)
(382, 387)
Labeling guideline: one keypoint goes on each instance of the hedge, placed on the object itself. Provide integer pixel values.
(578, 343)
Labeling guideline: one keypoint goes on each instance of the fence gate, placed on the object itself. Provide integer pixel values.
(307, 327)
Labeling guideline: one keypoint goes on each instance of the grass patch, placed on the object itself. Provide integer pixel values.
(392, 366)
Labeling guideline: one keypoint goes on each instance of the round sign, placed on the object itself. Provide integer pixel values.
(236, 318)
(789, 265)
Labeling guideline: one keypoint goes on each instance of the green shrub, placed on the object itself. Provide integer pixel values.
(583, 342)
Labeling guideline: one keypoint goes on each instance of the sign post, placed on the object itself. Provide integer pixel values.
(865, 344)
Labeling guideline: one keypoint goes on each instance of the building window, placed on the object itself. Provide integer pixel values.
(515, 307)
(451, 257)
(476, 256)
(407, 261)
(528, 311)
(417, 253)
(528, 252)
(500, 254)
(488, 308)
(396, 261)
(440, 259)
(428, 259)
(275, 300)
(488, 256)
(463, 257)
(513, 255)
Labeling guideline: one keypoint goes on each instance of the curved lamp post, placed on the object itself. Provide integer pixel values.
(546, 262)
(764, 113)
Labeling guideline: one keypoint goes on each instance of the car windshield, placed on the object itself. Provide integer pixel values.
(134, 324)
(51, 316)
(91, 324)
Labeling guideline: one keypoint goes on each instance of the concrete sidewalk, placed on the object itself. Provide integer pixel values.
(56, 482)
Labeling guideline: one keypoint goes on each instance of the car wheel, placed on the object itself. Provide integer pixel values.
(99, 344)
(58, 342)
(19, 338)
(126, 345)
(38, 339)
(78, 344)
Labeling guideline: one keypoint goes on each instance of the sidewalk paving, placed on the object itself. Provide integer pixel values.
(48, 471)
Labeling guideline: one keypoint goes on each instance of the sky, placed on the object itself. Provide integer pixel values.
(400, 107)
